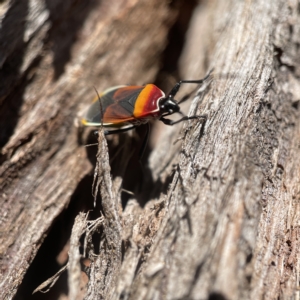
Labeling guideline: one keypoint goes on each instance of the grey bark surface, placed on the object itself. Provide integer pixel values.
(227, 226)
(52, 54)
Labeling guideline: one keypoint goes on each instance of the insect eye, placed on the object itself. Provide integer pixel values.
(162, 106)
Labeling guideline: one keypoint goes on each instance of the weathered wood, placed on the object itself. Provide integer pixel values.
(227, 226)
(231, 227)
(52, 53)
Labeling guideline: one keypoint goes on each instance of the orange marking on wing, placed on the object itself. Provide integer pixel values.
(142, 100)
(146, 103)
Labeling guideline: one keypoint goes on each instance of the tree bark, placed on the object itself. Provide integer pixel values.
(215, 215)
(52, 54)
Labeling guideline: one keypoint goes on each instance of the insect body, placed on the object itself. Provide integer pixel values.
(122, 108)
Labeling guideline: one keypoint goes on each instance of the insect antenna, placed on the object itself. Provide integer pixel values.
(206, 79)
(100, 105)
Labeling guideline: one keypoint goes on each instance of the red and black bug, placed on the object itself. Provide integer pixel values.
(122, 108)
(126, 107)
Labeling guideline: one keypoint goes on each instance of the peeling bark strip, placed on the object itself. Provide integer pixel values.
(105, 267)
(228, 225)
(74, 266)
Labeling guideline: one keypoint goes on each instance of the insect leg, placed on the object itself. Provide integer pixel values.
(171, 122)
(145, 142)
(176, 87)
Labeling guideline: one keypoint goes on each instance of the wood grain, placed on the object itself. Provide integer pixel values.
(215, 216)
